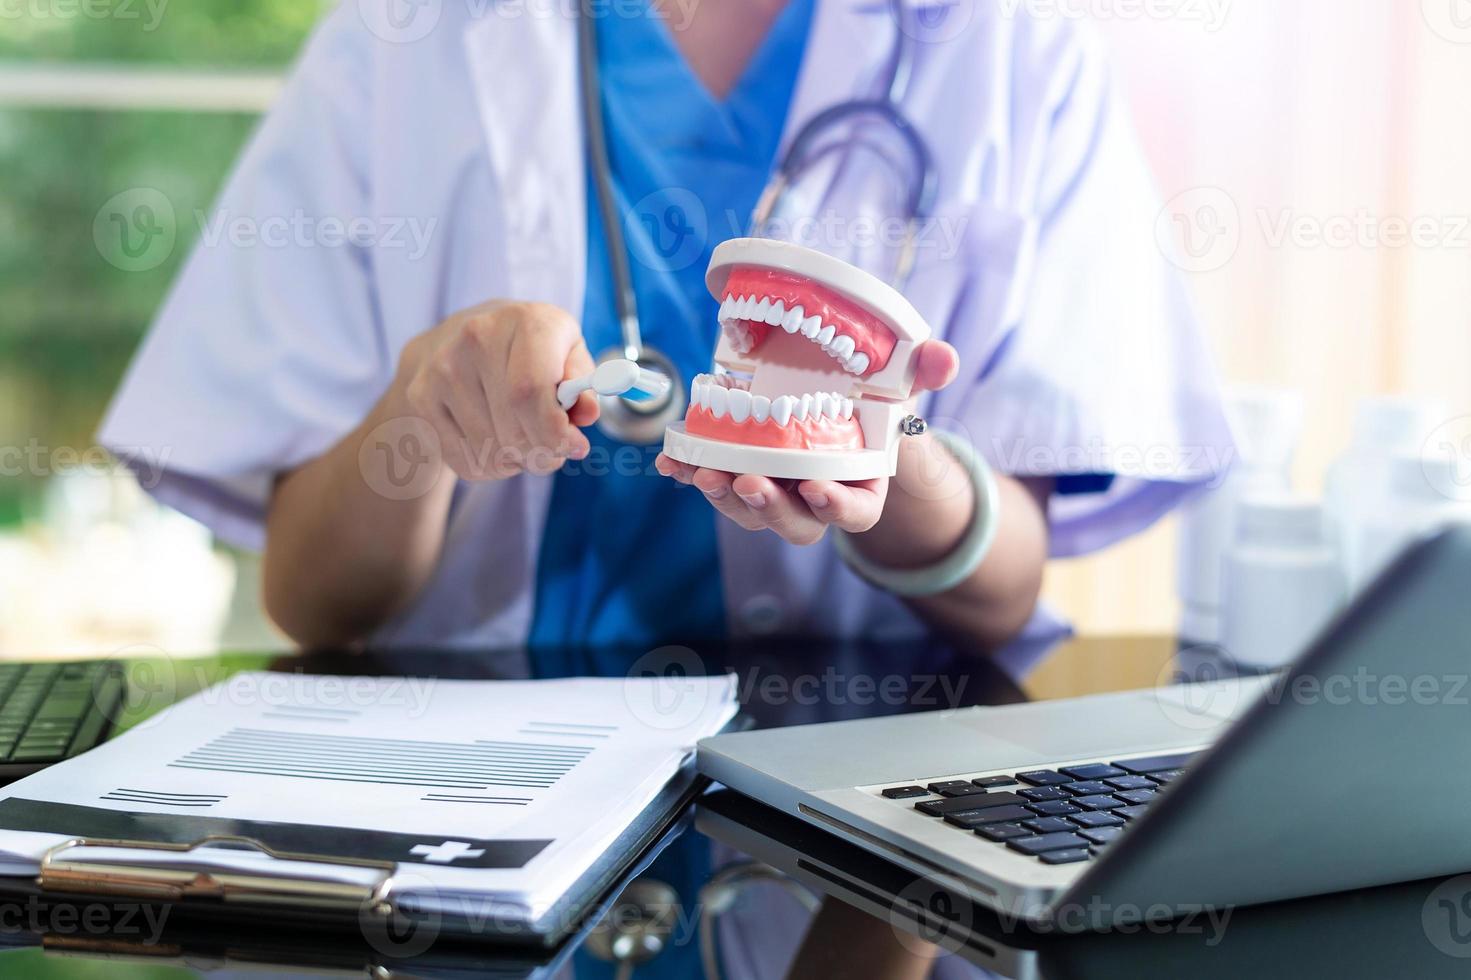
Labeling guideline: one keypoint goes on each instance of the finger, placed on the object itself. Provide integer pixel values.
(938, 363)
(851, 507)
(541, 458)
(535, 365)
(482, 434)
(504, 452)
(584, 413)
(679, 472)
(456, 385)
(716, 486)
(580, 364)
(783, 510)
(452, 443)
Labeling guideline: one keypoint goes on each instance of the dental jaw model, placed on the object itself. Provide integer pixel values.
(816, 363)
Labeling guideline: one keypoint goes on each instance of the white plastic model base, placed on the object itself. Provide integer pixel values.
(778, 464)
(816, 360)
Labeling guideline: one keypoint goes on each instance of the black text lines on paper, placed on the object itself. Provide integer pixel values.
(568, 729)
(124, 794)
(392, 761)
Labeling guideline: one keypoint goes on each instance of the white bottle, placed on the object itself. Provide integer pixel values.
(1266, 424)
(1357, 488)
(1281, 582)
(1424, 492)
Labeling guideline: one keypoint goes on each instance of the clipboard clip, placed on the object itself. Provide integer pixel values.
(166, 883)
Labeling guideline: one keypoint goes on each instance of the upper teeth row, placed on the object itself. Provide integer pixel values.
(761, 309)
(708, 392)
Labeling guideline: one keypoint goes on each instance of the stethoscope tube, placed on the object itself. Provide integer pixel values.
(626, 420)
(624, 299)
(645, 421)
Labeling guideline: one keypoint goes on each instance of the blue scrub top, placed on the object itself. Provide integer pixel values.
(629, 557)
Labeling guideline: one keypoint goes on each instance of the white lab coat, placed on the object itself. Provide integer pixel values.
(1078, 348)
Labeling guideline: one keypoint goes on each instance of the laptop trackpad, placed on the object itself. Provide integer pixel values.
(1140, 721)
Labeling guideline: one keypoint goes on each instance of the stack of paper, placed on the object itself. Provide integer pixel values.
(502, 793)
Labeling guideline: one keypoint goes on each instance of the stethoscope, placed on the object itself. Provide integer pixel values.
(643, 422)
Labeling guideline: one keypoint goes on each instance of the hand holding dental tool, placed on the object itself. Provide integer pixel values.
(615, 378)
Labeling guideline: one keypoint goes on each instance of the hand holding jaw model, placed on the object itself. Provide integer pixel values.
(819, 361)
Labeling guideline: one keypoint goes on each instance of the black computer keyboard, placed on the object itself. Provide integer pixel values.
(1060, 816)
(53, 711)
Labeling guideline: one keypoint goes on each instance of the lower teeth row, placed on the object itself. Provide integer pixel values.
(708, 392)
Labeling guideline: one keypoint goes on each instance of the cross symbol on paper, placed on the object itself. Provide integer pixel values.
(447, 852)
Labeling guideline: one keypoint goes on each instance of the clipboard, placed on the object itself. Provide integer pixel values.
(213, 943)
(218, 898)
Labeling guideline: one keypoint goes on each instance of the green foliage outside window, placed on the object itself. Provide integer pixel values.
(198, 33)
(70, 319)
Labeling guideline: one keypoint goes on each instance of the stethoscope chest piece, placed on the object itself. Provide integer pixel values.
(642, 422)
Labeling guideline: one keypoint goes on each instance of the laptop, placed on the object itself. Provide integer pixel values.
(1347, 770)
(1416, 929)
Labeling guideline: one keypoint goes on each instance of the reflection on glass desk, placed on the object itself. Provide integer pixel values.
(1404, 931)
(780, 683)
(1419, 930)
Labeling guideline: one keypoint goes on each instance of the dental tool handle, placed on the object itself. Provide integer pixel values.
(569, 391)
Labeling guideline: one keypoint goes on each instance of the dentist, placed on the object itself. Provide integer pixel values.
(381, 420)
(290, 384)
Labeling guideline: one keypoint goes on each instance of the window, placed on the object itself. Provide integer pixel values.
(101, 98)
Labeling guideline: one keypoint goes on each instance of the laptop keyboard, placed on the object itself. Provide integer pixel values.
(1059, 816)
(51, 711)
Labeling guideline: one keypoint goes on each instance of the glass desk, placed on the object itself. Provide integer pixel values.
(755, 914)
